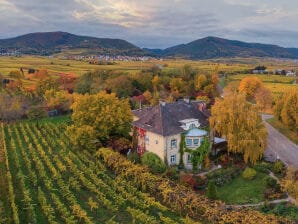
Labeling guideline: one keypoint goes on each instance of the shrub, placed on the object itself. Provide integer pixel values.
(271, 183)
(155, 164)
(249, 173)
(211, 190)
(172, 173)
(223, 176)
(278, 167)
(134, 157)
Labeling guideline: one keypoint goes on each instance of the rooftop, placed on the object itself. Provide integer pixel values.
(166, 119)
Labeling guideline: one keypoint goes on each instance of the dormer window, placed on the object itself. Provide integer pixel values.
(188, 124)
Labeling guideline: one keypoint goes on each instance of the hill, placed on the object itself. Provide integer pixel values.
(54, 42)
(214, 47)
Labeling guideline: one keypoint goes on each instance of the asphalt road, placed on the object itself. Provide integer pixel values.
(280, 146)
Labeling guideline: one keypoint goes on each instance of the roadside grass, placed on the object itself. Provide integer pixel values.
(242, 191)
(291, 135)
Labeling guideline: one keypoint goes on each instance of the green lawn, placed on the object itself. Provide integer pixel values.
(241, 191)
(292, 135)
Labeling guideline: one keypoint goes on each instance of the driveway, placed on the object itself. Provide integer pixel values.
(280, 146)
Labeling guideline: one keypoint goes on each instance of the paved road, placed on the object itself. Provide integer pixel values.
(280, 146)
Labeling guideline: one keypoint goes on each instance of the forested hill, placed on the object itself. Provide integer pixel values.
(53, 42)
(214, 47)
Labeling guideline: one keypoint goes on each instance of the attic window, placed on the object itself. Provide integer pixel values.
(191, 123)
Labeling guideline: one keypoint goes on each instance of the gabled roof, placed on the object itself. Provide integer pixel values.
(164, 119)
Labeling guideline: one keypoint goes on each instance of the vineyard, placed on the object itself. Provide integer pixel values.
(49, 183)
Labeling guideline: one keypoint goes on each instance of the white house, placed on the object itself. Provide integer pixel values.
(159, 129)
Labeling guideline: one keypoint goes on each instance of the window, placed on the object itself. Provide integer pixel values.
(188, 142)
(188, 158)
(147, 140)
(173, 159)
(196, 142)
(173, 143)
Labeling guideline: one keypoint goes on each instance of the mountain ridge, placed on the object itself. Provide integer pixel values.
(54, 42)
(48, 43)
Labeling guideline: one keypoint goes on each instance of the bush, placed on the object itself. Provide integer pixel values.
(211, 190)
(271, 183)
(249, 173)
(223, 176)
(134, 157)
(172, 173)
(262, 167)
(278, 167)
(155, 164)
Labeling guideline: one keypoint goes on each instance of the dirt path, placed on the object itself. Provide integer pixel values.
(279, 146)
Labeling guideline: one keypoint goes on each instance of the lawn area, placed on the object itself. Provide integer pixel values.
(242, 191)
(292, 135)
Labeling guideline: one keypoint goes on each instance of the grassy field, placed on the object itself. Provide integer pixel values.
(242, 191)
(49, 183)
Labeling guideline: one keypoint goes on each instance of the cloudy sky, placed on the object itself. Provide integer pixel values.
(156, 23)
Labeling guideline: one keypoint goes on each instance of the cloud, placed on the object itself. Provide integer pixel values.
(155, 23)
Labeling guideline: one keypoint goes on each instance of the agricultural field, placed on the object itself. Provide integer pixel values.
(47, 182)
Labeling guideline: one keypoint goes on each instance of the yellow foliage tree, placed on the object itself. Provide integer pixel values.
(249, 86)
(239, 122)
(201, 81)
(97, 117)
(58, 99)
(290, 183)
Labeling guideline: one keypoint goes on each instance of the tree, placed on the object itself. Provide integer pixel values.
(286, 111)
(201, 81)
(45, 84)
(290, 183)
(16, 74)
(263, 98)
(289, 112)
(58, 100)
(121, 85)
(36, 112)
(11, 107)
(249, 85)
(155, 164)
(239, 122)
(103, 115)
(211, 190)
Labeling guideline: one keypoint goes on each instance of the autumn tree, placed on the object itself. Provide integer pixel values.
(98, 117)
(120, 85)
(43, 85)
(286, 109)
(249, 85)
(239, 122)
(201, 81)
(60, 99)
(11, 107)
(290, 183)
(16, 74)
(263, 98)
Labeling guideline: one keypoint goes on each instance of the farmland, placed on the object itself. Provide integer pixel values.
(49, 183)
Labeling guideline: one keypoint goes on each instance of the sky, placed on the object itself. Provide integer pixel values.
(156, 23)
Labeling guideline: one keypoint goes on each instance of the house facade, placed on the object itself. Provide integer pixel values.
(159, 129)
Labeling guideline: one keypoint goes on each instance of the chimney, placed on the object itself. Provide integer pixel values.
(162, 103)
(186, 99)
(201, 106)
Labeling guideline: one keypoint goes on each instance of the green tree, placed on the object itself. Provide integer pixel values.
(103, 115)
(211, 190)
(155, 164)
(240, 123)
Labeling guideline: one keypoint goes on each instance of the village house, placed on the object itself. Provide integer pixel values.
(159, 129)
